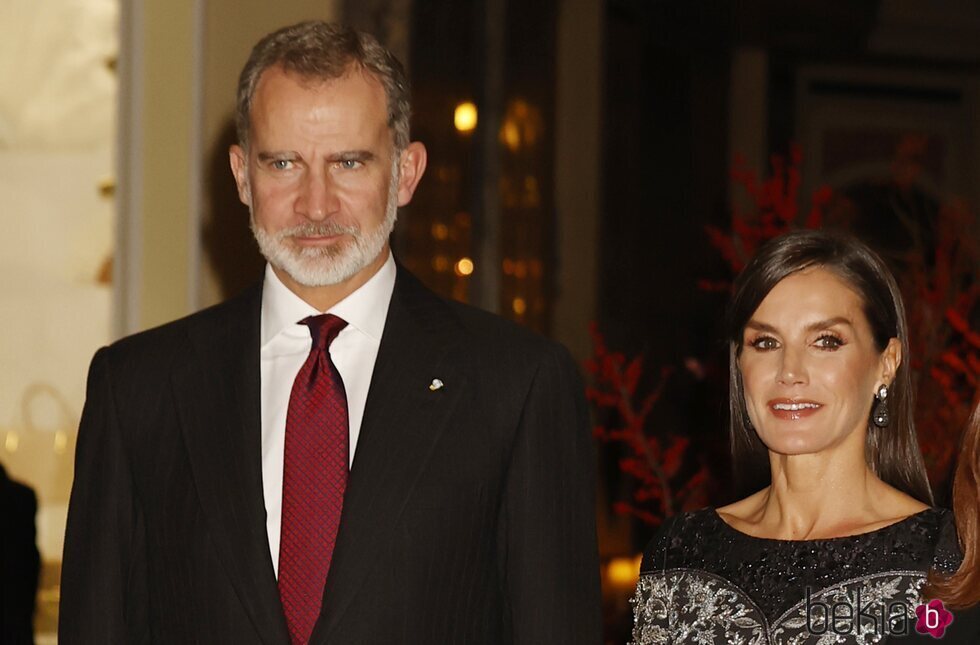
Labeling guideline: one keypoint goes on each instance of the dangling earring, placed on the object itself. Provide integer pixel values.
(880, 415)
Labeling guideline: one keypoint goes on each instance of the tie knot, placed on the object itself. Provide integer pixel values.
(323, 328)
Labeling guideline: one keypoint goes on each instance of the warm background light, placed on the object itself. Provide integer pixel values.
(622, 573)
(464, 267)
(440, 263)
(465, 117)
(440, 231)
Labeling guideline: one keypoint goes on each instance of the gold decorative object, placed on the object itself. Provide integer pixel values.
(104, 275)
(107, 187)
(40, 451)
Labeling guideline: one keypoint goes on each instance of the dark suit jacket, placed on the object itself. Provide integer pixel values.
(468, 516)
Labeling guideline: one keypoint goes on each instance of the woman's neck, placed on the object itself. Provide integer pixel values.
(819, 496)
(812, 496)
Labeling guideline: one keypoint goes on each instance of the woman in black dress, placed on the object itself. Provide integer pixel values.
(836, 544)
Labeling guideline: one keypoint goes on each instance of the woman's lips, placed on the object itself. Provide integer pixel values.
(793, 409)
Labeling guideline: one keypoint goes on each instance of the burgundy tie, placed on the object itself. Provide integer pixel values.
(314, 478)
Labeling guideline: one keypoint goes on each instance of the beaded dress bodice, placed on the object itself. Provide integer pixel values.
(704, 582)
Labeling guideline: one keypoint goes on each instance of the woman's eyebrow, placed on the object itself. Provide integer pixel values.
(820, 324)
(760, 326)
(830, 322)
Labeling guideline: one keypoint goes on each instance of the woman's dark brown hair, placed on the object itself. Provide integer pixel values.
(892, 452)
(962, 589)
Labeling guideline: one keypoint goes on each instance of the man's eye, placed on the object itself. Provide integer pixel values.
(350, 164)
(764, 343)
(281, 164)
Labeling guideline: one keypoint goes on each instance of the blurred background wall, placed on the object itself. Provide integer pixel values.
(590, 161)
(57, 170)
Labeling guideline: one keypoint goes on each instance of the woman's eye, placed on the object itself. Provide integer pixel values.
(830, 341)
(764, 343)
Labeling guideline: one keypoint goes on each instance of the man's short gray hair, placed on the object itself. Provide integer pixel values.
(324, 51)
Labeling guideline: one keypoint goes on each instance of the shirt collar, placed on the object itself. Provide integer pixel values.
(365, 310)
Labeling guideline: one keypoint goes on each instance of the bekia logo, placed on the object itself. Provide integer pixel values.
(857, 615)
(933, 618)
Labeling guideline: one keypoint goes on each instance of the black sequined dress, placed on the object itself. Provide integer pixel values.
(704, 582)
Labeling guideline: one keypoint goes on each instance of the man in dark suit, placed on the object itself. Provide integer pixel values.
(401, 469)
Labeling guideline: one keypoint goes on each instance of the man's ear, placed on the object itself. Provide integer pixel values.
(239, 168)
(891, 358)
(411, 167)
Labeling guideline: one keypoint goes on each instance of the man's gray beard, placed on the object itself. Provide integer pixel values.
(323, 266)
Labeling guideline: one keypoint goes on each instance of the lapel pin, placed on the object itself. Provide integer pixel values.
(436, 384)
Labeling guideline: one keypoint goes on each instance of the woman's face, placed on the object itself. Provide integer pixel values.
(809, 365)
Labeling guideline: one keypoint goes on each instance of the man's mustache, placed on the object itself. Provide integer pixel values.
(318, 230)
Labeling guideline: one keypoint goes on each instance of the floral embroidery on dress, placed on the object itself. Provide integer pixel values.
(683, 606)
(704, 582)
(692, 606)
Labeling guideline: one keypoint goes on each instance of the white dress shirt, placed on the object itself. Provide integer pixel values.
(285, 346)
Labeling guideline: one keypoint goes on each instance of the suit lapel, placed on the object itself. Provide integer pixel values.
(219, 402)
(403, 419)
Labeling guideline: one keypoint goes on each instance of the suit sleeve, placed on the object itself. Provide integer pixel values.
(548, 534)
(103, 593)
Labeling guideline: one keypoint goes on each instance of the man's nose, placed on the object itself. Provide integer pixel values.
(317, 199)
(792, 367)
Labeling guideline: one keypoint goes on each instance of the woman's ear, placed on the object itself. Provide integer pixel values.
(890, 359)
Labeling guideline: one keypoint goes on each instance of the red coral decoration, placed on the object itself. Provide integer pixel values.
(655, 460)
(941, 297)
(775, 210)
